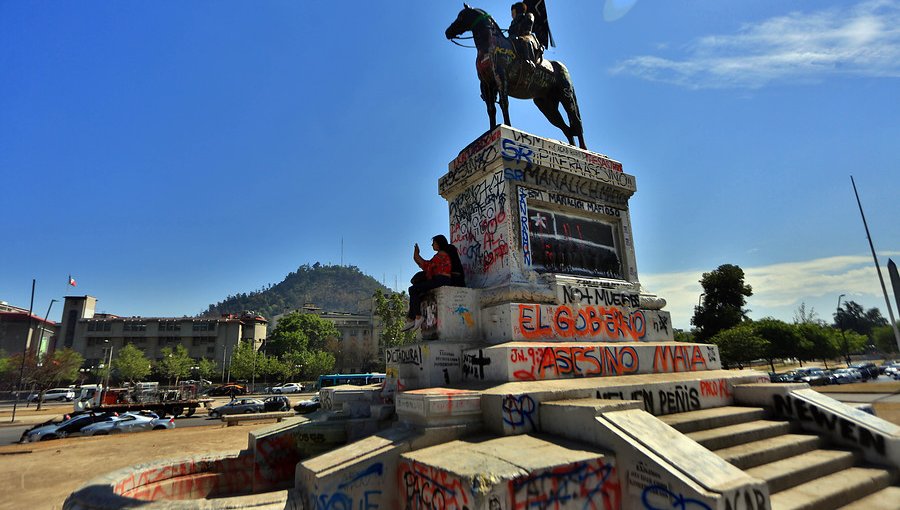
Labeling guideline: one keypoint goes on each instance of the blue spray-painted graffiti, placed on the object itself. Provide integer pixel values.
(676, 501)
(518, 411)
(344, 498)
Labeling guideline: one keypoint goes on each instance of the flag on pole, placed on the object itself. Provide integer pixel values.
(72, 281)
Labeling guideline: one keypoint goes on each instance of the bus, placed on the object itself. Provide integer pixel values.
(354, 379)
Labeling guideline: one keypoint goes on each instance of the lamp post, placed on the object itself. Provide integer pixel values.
(840, 318)
(108, 365)
(43, 326)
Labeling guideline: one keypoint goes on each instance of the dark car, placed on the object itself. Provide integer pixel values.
(69, 426)
(276, 403)
(786, 377)
(308, 406)
(227, 389)
(869, 370)
(816, 377)
(238, 406)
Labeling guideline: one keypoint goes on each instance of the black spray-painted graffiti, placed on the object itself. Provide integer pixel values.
(478, 225)
(679, 399)
(747, 498)
(404, 356)
(811, 414)
(473, 365)
(599, 296)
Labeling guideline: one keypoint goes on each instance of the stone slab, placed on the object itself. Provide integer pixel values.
(451, 313)
(562, 323)
(423, 365)
(535, 361)
(514, 473)
(514, 408)
(439, 406)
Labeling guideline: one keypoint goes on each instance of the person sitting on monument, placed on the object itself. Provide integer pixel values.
(524, 43)
(444, 269)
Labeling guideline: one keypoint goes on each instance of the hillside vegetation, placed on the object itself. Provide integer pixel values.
(332, 288)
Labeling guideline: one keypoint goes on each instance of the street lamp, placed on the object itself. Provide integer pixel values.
(43, 326)
(109, 364)
(840, 318)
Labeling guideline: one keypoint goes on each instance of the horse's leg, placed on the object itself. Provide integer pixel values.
(550, 109)
(504, 102)
(489, 95)
(570, 104)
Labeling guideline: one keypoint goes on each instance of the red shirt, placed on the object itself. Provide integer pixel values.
(437, 266)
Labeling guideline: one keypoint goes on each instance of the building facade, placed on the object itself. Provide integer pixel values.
(358, 341)
(20, 331)
(97, 335)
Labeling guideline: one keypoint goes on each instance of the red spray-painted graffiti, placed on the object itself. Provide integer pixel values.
(428, 488)
(609, 322)
(574, 361)
(682, 358)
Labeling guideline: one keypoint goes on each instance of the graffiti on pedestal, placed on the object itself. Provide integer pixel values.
(589, 484)
(567, 244)
(478, 229)
(429, 488)
(358, 489)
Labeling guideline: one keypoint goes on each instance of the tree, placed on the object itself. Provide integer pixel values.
(806, 316)
(48, 371)
(883, 338)
(392, 312)
(740, 345)
(299, 331)
(207, 369)
(130, 364)
(821, 342)
(4, 365)
(175, 363)
(246, 361)
(684, 336)
(853, 317)
(783, 338)
(724, 297)
(316, 363)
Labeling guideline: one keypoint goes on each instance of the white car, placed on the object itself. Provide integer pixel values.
(67, 427)
(288, 388)
(129, 422)
(58, 394)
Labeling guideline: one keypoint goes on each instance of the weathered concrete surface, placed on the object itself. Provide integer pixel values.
(513, 473)
(877, 440)
(363, 474)
(180, 485)
(538, 361)
(452, 313)
(439, 406)
(514, 408)
(423, 365)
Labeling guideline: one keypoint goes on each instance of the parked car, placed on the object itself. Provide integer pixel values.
(238, 406)
(889, 369)
(845, 376)
(129, 422)
(57, 394)
(276, 403)
(816, 377)
(226, 389)
(869, 370)
(308, 406)
(783, 378)
(67, 427)
(288, 388)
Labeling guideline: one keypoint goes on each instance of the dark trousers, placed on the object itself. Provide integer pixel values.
(418, 289)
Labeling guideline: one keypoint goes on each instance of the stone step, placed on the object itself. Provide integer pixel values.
(833, 491)
(792, 471)
(741, 433)
(885, 499)
(756, 453)
(703, 419)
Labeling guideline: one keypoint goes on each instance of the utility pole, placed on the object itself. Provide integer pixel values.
(24, 352)
(887, 300)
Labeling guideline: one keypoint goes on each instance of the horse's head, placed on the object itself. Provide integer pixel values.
(466, 20)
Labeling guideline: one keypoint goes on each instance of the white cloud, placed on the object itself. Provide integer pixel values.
(778, 289)
(862, 40)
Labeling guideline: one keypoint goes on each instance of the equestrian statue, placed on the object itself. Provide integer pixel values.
(514, 66)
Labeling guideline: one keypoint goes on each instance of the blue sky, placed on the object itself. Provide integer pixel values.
(168, 154)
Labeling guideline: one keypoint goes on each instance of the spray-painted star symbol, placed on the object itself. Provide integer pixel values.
(539, 220)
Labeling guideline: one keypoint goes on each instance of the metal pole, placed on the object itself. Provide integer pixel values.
(887, 301)
(43, 328)
(24, 353)
(843, 336)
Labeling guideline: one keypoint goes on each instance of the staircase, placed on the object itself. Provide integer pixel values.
(802, 472)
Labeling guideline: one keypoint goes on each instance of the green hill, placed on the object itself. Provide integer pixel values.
(332, 288)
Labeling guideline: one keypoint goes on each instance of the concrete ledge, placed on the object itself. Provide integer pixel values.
(439, 406)
(234, 419)
(514, 408)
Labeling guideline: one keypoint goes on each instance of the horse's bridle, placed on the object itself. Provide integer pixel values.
(483, 16)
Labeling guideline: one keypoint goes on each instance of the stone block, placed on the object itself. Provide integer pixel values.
(566, 323)
(439, 406)
(538, 361)
(527, 472)
(515, 408)
(451, 313)
(423, 365)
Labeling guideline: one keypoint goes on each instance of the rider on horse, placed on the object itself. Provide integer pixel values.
(524, 42)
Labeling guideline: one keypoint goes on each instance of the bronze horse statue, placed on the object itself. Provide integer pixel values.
(502, 73)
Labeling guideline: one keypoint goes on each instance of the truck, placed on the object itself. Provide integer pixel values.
(145, 396)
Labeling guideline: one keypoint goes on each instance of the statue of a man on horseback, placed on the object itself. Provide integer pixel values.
(514, 66)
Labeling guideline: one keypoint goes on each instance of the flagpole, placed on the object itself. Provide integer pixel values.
(887, 301)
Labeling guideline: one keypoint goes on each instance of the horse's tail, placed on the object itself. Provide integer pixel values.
(568, 99)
